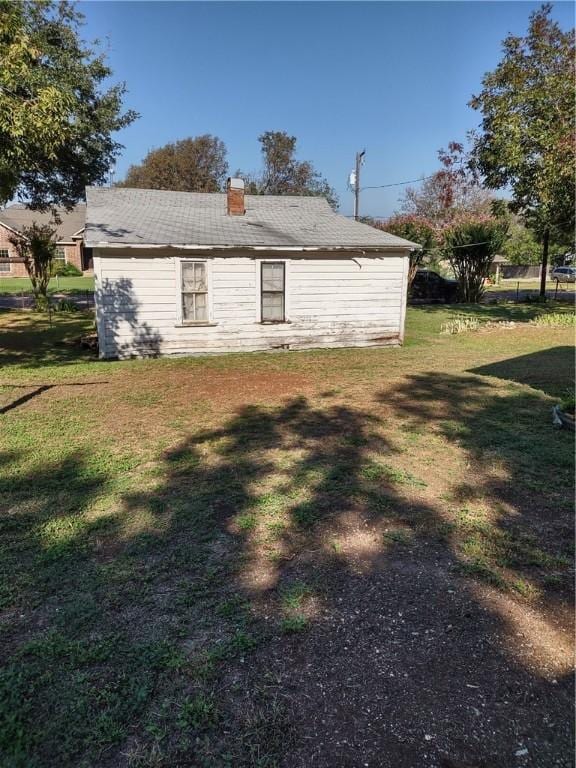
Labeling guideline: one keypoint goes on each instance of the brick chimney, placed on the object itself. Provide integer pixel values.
(235, 197)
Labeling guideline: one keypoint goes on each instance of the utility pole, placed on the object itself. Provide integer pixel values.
(359, 162)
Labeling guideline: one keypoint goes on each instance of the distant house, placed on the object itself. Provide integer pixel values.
(69, 233)
(181, 273)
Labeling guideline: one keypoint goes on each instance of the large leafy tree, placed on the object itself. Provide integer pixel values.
(189, 165)
(57, 118)
(449, 193)
(526, 140)
(521, 246)
(283, 174)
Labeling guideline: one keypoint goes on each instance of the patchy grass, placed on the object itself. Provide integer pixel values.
(169, 529)
(295, 623)
(399, 536)
(556, 320)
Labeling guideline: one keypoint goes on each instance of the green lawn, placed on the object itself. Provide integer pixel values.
(254, 559)
(531, 285)
(19, 285)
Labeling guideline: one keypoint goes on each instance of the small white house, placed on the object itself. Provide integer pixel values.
(181, 273)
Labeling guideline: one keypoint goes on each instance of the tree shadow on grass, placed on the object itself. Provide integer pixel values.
(520, 469)
(551, 370)
(35, 391)
(30, 341)
(284, 565)
(33, 340)
(342, 541)
(41, 523)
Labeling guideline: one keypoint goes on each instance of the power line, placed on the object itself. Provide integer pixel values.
(400, 183)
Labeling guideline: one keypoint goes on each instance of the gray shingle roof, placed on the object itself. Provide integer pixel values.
(122, 216)
(18, 216)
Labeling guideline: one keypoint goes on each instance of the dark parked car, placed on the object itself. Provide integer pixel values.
(430, 286)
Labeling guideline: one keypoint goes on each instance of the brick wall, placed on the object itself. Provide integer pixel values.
(72, 252)
(16, 269)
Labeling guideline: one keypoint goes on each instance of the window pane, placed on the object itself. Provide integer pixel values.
(273, 306)
(195, 307)
(188, 306)
(4, 266)
(201, 307)
(193, 276)
(272, 277)
(59, 255)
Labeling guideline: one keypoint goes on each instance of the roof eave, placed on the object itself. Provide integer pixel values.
(295, 248)
(15, 231)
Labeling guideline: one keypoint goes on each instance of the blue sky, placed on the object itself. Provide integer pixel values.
(391, 77)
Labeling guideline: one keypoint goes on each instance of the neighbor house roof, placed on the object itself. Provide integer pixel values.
(18, 216)
(146, 217)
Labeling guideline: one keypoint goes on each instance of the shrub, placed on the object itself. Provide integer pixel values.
(66, 306)
(66, 270)
(471, 245)
(41, 303)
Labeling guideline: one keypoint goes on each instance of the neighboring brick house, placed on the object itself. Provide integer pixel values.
(70, 233)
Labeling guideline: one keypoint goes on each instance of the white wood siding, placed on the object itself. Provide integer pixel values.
(331, 301)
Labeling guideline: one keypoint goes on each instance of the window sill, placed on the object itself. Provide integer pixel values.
(192, 324)
(275, 322)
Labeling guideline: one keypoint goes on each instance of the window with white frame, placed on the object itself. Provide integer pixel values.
(60, 255)
(4, 265)
(194, 292)
(273, 290)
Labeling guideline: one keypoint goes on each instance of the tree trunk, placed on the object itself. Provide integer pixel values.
(545, 241)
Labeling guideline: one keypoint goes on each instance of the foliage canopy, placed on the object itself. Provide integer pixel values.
(190, 165)
(283, 174)
(418, 230)
(56, 116)
(450, 192)
(470, 246)
(526, 141)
